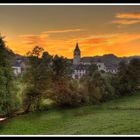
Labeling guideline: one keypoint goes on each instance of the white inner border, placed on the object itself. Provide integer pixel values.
(70, 4)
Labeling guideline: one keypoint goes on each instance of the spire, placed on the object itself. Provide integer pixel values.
(77, 55)
(77, 47)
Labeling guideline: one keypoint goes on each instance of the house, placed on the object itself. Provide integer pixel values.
(112, 69)
(101, 66)
(79, 71)
(19, 66)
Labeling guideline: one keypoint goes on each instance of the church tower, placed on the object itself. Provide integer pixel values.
(76, 55)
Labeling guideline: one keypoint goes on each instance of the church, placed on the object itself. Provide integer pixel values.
(80, 67)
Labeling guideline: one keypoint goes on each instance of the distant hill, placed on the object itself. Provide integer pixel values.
(109, 60)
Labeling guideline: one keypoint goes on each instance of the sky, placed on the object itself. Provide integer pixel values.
(98, 29)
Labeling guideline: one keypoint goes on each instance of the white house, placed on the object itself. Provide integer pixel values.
(17, 70)
(18, 67)
(101, 66)
(78, 71)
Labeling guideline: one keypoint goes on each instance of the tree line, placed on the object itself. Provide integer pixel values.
(49, 77)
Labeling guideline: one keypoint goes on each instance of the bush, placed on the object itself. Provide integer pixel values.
(31, 100)
(128, 77)
(67, 94)
(99, 88)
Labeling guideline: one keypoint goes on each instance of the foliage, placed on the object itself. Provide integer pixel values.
(60, 67)
(37, 78)
(8, 89)
(128, 77)
(67, 94)
(92, 68)
(99, 88)
(64, 92)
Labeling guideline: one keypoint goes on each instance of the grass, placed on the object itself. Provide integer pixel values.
(121, 116)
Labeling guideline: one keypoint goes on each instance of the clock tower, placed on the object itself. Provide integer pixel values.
(76, 55)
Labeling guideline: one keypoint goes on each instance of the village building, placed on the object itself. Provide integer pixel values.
(80, 66)
(19, 66)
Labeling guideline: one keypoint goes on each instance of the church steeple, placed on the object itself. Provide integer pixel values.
(77, 50)
(76, 55)
(77, 46)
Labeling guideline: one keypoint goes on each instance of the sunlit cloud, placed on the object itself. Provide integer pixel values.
(127, 18)
(126, 22)
(120, 38)
(42, 38)
(53, 46)
(128, 15)
(63, 31)
(34, 39)
(98, 39)
(119, 44)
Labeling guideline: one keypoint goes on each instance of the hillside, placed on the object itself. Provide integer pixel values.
(121, 116)
(108, 59)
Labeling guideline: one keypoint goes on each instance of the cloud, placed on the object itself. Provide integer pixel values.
(127, 18)
(63, 31)
(121, 44)
(34, 39)
(53, 45)
(99, 39)
(126, 22)
(128, 15)
(109, 40)
(95, 41)
(43, 38)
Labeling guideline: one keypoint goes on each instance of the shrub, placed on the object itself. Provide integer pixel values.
(99, 88)
(67, 93)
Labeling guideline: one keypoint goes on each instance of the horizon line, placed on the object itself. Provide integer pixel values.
(89, 56)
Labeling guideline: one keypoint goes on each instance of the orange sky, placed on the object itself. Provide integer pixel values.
(98, 29)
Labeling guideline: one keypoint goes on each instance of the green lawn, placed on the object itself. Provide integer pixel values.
(121, 116)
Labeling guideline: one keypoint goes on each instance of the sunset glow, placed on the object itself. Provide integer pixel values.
(98, 29)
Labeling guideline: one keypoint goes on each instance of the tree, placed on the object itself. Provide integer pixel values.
(134, 68)
(64, 92)
(7, 84)
(37, 51)
(128, 78)
(37, 78)
(67, 94)
(99, 88)
(60, 67)
(123, 86)
(92, 68)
